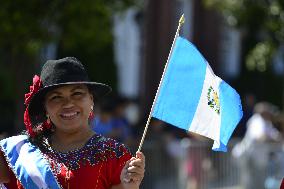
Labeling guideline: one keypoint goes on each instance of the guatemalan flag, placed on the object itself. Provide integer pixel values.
(193, 98)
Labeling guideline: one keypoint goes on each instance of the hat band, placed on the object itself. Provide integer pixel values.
(59, 79)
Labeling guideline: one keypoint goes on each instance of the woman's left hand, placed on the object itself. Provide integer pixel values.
(133, 172)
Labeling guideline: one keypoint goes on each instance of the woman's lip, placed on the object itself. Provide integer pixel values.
(69, 115)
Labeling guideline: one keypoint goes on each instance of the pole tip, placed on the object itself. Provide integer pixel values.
(182, 19)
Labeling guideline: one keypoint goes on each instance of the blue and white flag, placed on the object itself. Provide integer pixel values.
(28, 164)
(193, 98)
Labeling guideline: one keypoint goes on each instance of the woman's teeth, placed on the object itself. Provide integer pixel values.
(69, 115)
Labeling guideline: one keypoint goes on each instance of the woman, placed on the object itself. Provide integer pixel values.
(60, 150)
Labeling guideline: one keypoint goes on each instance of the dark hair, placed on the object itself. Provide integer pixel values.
(40, 138)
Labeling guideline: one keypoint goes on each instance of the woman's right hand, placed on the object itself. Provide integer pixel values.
(4, 170)
(133, 172)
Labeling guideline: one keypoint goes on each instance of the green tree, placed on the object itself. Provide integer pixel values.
(77, 28)
(262, 26)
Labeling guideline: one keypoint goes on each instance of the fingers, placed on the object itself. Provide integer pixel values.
(137, 162)
(140, 155)
(123, 175)
(133, 177)
(135, 168)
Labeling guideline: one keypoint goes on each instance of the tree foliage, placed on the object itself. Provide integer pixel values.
(78, 28)
(263, 24)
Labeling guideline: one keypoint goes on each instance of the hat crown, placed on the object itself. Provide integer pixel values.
(64, 70)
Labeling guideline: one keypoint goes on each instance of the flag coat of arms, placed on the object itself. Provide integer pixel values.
(193, 98)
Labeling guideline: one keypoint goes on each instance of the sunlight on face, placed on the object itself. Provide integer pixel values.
(69, 107)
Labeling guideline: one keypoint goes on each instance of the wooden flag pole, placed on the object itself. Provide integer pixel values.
(181, 21)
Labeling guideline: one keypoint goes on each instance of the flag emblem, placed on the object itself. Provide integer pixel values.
(213, 100)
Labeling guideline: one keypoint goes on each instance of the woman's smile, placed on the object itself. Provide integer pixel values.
(69, 116)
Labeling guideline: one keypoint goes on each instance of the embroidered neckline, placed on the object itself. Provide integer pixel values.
(97, 149)
(89, 141)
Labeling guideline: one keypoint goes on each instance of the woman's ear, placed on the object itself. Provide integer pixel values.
(92, 97)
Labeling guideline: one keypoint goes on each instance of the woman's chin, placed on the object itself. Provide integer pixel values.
(71, 127)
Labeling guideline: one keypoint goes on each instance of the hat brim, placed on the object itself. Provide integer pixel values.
(36, 106)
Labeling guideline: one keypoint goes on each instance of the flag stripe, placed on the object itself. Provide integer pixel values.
(12, 152)
(206, 121)
(228, 94)
(28, 164)
(174, 90)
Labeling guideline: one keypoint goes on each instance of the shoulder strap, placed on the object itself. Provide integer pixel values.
(27, 163)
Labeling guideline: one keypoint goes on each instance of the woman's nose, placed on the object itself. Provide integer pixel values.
(67, 103)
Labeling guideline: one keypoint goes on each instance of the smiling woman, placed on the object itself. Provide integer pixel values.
(59, 149)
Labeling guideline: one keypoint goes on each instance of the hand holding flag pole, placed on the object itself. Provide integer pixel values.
(181, 22)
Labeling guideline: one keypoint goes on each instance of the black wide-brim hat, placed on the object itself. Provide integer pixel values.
(57, 73)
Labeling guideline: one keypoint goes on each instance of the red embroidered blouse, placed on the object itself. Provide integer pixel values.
(95, 166)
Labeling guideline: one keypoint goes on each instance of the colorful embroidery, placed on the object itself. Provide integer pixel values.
(213, 100)
(98, 149)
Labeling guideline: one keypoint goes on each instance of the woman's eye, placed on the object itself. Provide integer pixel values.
(78, 93)
(55, 97)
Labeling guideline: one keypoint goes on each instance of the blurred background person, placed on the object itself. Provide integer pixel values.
(111, 120)
(260, 126)
(253, 151)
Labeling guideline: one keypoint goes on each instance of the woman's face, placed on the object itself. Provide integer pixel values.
(69, 107)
